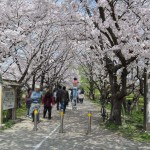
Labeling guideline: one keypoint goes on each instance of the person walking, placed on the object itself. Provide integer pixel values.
(81, 95)
(75, 82)
(48, 101)
(79, 91)
(129, 106)
(74, 96)
(64, 99)
(54, 94)
(28, 101)
(103, 112)
(59, 96)
(36, 99)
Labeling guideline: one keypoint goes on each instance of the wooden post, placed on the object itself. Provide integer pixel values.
(15, 106)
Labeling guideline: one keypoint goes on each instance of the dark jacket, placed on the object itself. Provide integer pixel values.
(65, 96)
(48, 100)
(59, 95)
(82, 91)
(62, 96)
(28, 100)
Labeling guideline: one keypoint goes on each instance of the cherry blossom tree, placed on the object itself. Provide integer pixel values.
(34, 41)
(117, 29)
(40, 39)
(35, 36)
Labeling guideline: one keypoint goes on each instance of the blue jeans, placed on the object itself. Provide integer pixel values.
(74, 101)
(28, 111)
(63, 106)
(33, 106)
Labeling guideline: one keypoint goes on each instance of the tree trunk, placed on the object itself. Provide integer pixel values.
(18, 96)
(124, 104)
(93, 96)
(33, 82)
(116, 112)
(116, 105)
(112, 92)
(42, 81)
(91, 89)
(118, 93)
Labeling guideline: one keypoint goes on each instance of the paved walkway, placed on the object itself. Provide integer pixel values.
(22, 137)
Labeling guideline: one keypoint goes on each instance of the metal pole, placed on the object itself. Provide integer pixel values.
(1, 102)
(147, 105)
(35, 119)
(61, 120)
(89, 121)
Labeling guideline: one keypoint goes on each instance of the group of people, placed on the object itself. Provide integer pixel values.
(59, 96)
(62, 98)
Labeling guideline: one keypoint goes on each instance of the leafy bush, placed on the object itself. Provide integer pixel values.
(9, 124)
(112, 126)
(21, 111)
(5, 116)
(137, 117)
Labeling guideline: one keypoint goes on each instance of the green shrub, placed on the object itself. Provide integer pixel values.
(145, 137)
(137, 117)
(9, 124)
(5, 116)
(112, 126)
(21, 111)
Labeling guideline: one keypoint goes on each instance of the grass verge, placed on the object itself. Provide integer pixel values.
(129, 131)
(132, 126)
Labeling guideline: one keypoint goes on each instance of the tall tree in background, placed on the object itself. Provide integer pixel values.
(115, 29)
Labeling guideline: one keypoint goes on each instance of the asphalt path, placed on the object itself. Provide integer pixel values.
(74, 137)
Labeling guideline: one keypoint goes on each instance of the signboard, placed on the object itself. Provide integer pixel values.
(8, 98)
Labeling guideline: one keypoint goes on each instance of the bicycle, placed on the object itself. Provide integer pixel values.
(35, 116)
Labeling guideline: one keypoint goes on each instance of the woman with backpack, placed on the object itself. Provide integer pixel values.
(81, 96)
(48, 101)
